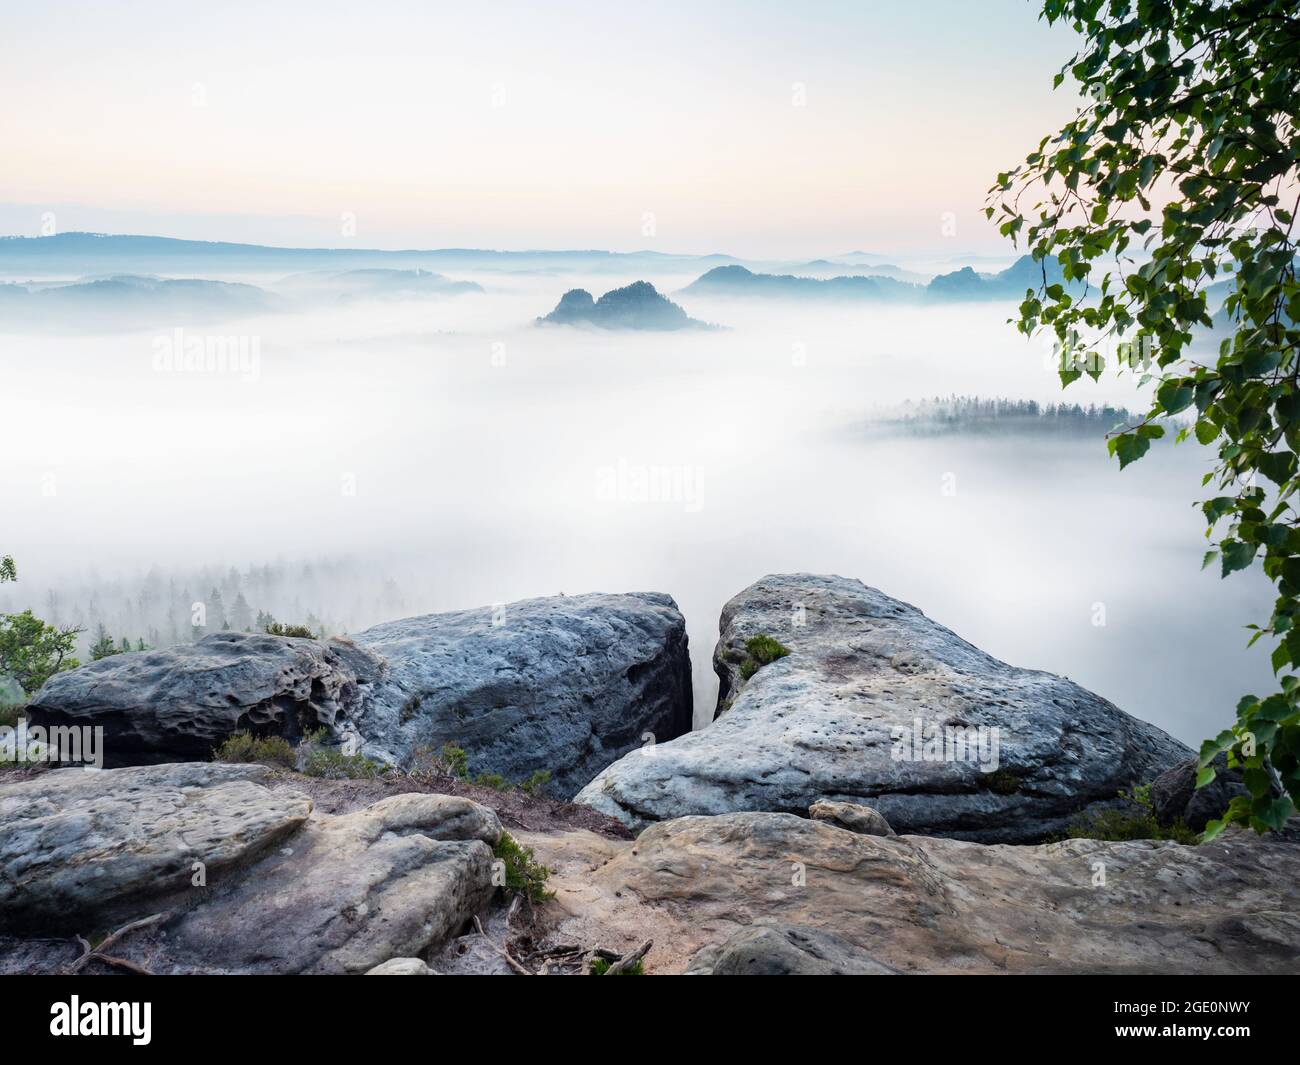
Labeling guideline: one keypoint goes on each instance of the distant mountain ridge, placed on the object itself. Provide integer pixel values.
(964, 284)
(78, 254)
(127, 299)
(130, 300)
(740, 281)
(375, 281)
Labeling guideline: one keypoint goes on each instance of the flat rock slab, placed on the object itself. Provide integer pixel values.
(348, 893)
(283, 888)
(841, 901)
(833, 721)
(78, 847)
(565, 684)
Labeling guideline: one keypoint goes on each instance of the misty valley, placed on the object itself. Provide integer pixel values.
(359, 443)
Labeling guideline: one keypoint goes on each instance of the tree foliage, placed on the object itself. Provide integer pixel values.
(1176, 184)
(31, 651)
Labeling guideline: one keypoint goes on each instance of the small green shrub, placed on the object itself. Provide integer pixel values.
(332, 764)
(275, 628)
(599, 967)
(492, 780)
(763, 650)
(525, 875)
(11, 715)
(245, 747)
(536, 784)
(1137, 823)
(455, 760)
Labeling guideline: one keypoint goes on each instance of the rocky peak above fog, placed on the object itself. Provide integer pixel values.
(635, 306)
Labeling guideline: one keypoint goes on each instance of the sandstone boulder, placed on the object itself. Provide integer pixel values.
(565, 684)
(178, 703)
(877, 704)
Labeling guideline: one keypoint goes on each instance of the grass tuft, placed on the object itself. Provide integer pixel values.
(524, 874)
(762, 650)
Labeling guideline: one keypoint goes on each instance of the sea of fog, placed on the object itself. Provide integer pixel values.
(435, 454)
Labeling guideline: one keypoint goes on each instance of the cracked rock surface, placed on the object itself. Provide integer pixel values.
(822, 724)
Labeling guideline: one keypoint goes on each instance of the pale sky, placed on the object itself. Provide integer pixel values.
(758, 129)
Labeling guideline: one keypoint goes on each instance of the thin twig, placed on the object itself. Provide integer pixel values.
(628, 960)
(99, 953)
(519, 968)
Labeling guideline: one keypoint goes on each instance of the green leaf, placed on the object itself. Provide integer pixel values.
(1212, 830)
(1175, 396)
(1281, 657)
(1185, 141)
(1211, 749)
(1236, 556)
(1130, 447)
(1274, 813)
(1257, 781)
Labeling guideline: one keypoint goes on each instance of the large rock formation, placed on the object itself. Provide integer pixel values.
(180, 702)
(878, 704)
(772, 893)
(250, 879)
(565, 684)
(635, 306)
